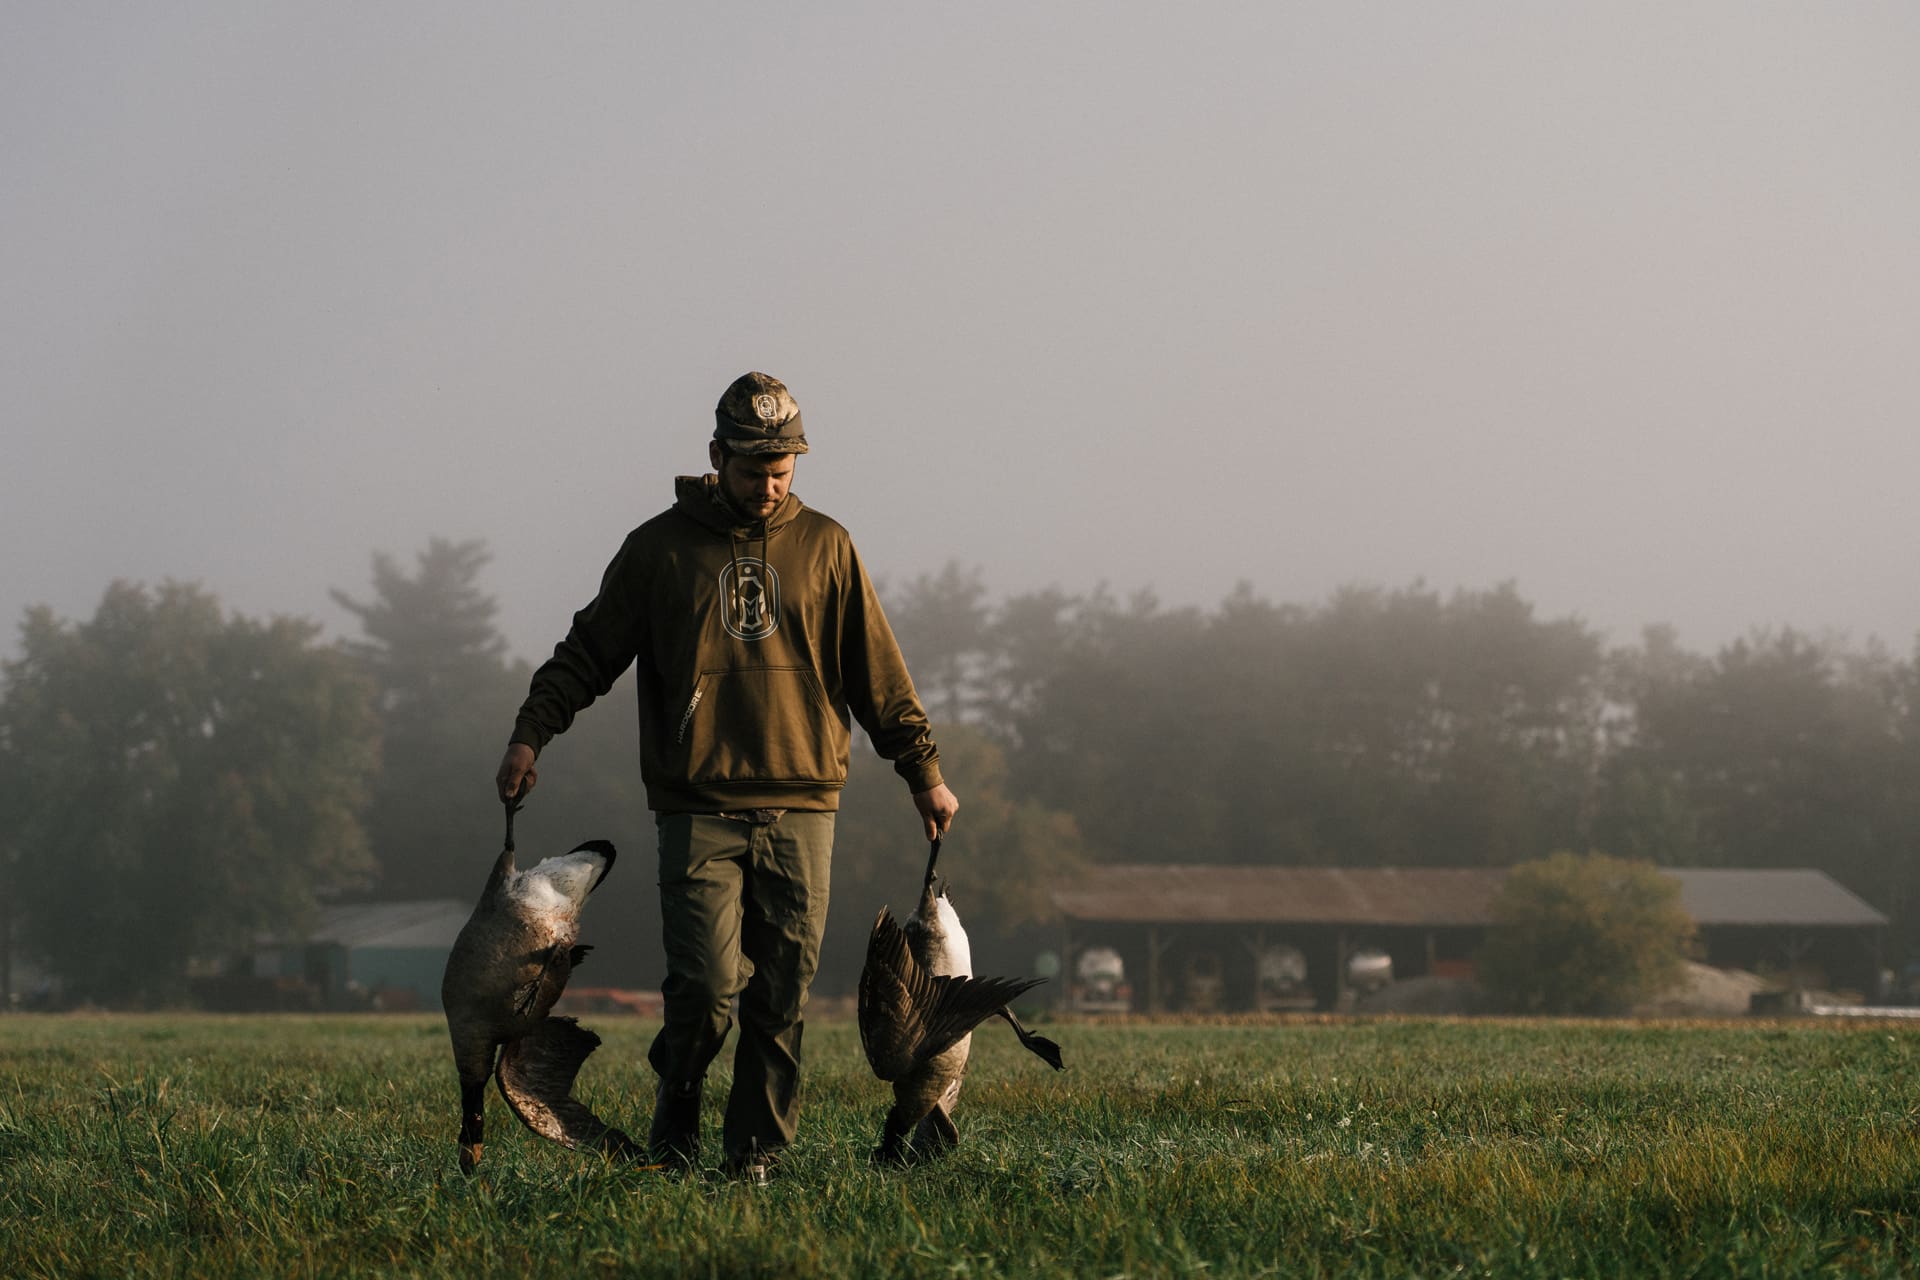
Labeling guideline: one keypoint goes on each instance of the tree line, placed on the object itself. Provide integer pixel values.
(184, 781)
(1410, 728)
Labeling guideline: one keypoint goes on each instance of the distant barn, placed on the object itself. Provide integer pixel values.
(1217, 938)
(382, 955)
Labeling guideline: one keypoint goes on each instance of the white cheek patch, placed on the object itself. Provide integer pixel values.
(959, 955)
(560, 882)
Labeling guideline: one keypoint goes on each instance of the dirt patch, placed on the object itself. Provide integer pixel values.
(1434, 997)
(1703, 992)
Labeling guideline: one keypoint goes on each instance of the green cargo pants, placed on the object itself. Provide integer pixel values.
(743, 907)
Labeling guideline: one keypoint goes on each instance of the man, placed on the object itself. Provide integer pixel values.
(755, 634)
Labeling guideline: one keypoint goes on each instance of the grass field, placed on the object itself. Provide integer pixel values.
(196, 1146)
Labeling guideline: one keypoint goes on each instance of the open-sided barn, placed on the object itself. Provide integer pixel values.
(1239, 937)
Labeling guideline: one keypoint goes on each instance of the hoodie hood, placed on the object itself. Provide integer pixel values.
(698, 498)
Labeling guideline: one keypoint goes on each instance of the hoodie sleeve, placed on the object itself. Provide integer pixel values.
(879, 691)
(599, 646)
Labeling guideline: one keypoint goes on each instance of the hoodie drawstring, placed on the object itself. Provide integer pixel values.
(733, 551)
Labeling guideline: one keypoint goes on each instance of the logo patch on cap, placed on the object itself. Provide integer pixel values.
(767, 407)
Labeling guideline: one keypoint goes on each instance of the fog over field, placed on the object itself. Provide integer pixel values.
(1616, 301)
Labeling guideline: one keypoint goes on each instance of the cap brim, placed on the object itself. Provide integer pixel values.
(793, 444)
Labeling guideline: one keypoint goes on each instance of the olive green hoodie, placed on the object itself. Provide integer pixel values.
(752, 642)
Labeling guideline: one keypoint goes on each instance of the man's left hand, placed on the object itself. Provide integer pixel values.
(937, 806)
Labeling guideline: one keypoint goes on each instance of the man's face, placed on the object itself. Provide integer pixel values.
(753, 482)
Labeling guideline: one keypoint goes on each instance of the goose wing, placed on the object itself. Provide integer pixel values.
(908, 1015)
(895, 992)
(964, 1003)
(537, 996)
(536, 1075)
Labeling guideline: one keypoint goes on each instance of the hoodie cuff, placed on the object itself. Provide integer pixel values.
(920, 777)
(527, 733)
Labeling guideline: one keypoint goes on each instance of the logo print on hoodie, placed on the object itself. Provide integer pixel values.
(750, 599)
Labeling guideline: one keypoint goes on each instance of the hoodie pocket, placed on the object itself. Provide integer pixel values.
(760, 724)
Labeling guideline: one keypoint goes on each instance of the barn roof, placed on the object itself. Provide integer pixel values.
(1294, 895)
(1733, 896)
(1420, 896)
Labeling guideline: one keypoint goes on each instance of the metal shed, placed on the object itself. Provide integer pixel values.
(393, 952)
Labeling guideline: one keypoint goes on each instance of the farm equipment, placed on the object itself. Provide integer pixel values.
(1100, 983)
(1368, 970)
(1280, 980)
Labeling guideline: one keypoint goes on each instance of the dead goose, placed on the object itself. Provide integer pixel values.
(918, 1006)
(506, 970)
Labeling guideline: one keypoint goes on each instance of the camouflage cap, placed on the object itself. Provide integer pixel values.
(756, 415)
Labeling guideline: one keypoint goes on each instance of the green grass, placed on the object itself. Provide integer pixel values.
(277, 1146)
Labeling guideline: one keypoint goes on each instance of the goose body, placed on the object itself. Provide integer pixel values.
(508, 966)
(919, 1003)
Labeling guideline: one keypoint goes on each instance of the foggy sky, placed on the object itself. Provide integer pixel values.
(1618, 302)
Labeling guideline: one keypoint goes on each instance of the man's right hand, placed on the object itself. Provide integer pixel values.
(516, 775)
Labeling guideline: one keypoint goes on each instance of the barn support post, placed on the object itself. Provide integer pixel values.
(1339, 969)
(1156, 948)
(1256, 945)
(1153, 969)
